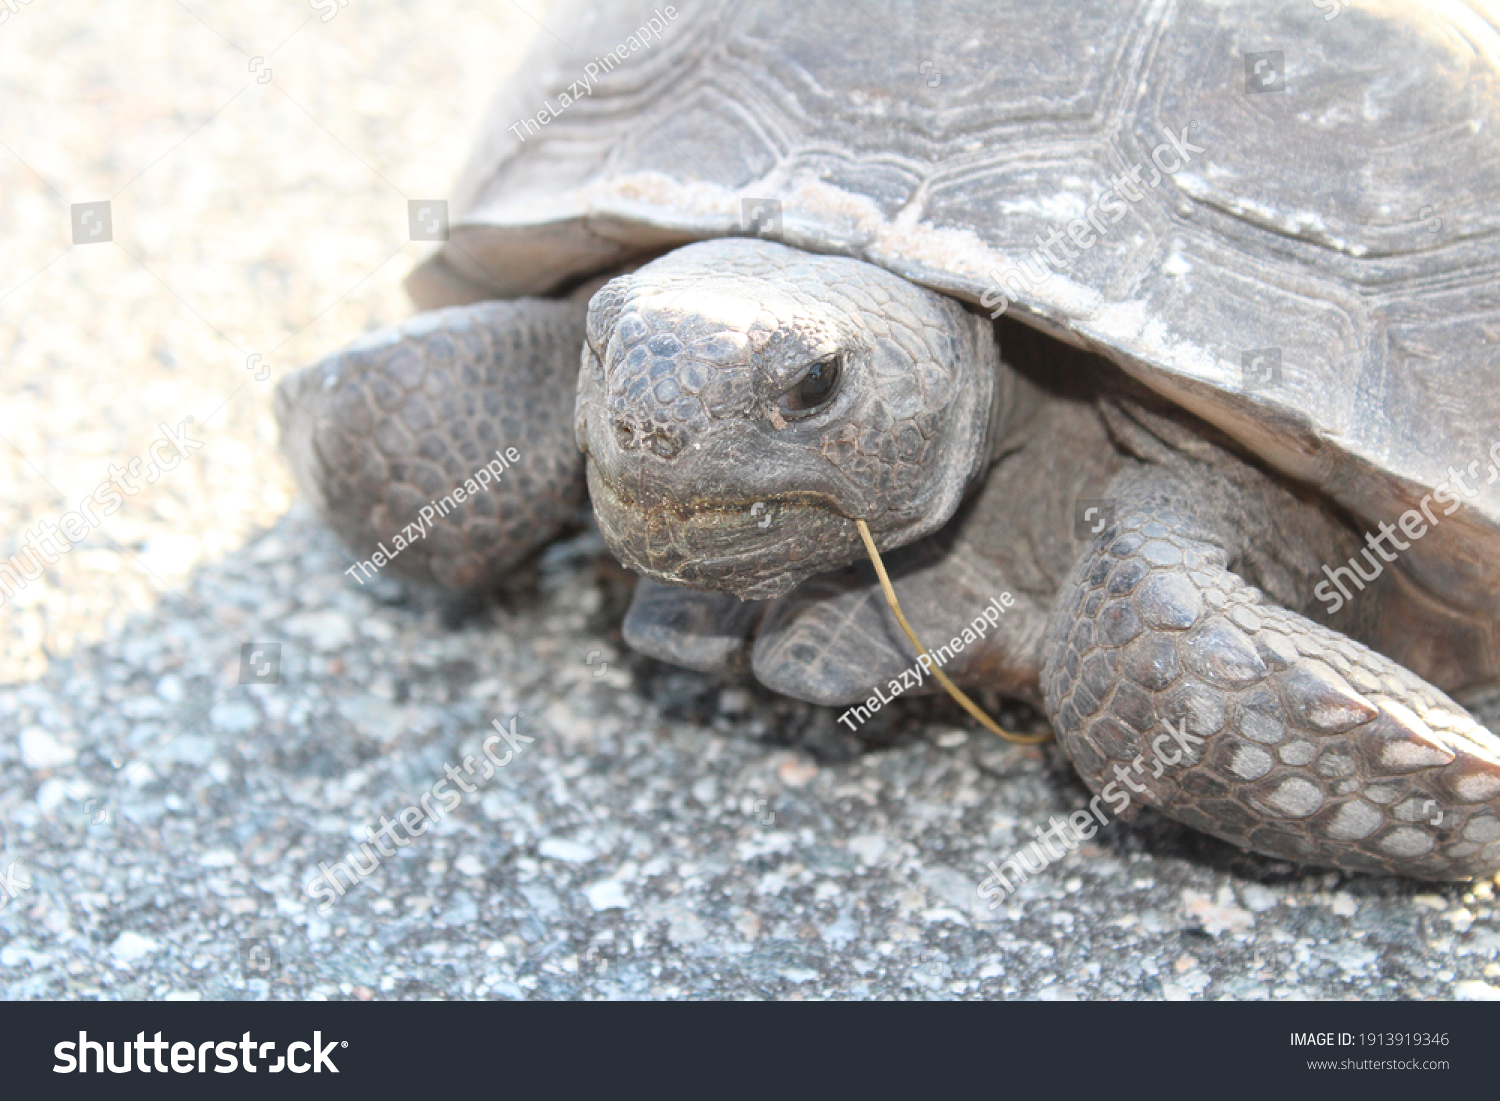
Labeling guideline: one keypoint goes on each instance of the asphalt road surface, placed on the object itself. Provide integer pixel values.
(660, 835)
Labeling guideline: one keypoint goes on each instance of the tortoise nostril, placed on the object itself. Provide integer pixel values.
(666, 444)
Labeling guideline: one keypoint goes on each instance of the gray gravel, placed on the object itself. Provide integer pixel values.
(663, 835)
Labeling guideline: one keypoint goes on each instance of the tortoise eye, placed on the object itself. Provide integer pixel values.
(813, 390)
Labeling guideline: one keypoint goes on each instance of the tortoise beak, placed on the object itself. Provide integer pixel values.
(757, 550)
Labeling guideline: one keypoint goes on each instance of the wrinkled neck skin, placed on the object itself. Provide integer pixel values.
(1016, 404)
(704, 469)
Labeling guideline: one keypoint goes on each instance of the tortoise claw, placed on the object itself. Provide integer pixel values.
(705, 632)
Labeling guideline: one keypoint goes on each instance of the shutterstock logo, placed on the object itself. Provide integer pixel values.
(186, 1058)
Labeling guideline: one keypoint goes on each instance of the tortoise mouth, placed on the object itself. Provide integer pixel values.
(756, 549)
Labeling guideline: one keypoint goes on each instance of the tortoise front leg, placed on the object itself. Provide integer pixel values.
(445, 441)
(1291, 739)
(828, 641)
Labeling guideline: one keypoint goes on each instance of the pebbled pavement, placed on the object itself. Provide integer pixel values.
(662, 836)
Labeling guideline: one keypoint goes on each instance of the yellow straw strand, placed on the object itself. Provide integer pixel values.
(942, 678)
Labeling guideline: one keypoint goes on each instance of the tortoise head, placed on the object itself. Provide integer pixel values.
(741, 403)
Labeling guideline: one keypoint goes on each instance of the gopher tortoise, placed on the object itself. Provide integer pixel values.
(1170, 331)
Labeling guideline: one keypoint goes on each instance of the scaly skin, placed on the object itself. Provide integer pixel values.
(680, 413)
(1314, 748)
(402, 417)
